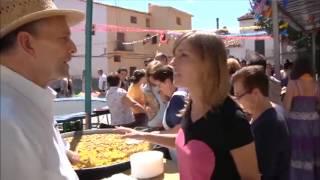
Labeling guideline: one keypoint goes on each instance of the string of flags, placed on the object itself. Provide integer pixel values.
(143, 41)
(165, 36)
(229, 40)
(115, 28)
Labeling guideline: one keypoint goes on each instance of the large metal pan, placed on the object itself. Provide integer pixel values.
(95, 172)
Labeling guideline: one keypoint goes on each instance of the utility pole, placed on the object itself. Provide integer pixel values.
(88, 54)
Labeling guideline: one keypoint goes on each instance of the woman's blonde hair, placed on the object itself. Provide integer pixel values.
(214, 79)
(233, 65)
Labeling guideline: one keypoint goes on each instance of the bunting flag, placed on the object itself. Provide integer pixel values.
(250, 28)
(258, 6)
(163, 38)
(285, 3)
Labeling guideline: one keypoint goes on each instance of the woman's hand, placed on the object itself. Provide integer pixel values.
(167, 140)
(130, 133)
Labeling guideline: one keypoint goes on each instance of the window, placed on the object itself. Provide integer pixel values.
(133, 19)
(178, 20)
(259, 46)
(120, 40)
(154, 39)
(116, 58)
(147, 22)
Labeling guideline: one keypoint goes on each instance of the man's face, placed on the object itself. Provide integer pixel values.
(53, 48)
(123, 75)
(243, 96)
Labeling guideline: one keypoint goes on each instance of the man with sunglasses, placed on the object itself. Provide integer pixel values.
(267, 124)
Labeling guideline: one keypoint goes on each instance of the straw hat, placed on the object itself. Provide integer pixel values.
(16, 13)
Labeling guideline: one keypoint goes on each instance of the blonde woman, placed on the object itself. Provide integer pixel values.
(154, 103)
(214, 141)
(233, 65)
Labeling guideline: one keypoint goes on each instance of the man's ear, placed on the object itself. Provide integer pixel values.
(25, 42)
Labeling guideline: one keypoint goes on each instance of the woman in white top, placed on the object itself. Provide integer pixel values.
(119, 103)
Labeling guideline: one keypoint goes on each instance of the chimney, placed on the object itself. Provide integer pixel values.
(217, 23)
(149, 7)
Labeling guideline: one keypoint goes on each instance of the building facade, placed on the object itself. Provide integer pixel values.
(264, 47)
(109, 49)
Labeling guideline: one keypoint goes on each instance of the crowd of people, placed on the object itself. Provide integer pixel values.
(282, 117)
(221, 118)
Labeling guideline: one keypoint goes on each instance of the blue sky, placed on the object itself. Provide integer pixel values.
(204, 12)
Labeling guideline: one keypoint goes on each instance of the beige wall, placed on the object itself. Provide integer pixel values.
(136, 57)
(160, 18)
(165, 18)
(105, 42)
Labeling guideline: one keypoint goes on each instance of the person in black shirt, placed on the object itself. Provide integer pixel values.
(268, 123)
(214, 141)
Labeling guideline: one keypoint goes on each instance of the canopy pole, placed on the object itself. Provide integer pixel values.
(276, 42)
(88, 55)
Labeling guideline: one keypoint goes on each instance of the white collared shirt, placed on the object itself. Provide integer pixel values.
(31, 148)
(120, 113)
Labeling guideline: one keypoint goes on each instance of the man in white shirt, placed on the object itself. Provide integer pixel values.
(35, 47)
(274, 84)
(102, 80)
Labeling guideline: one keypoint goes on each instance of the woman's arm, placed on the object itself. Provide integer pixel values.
(246, 162)
(167, 140)
(288, 96)
(126, 100)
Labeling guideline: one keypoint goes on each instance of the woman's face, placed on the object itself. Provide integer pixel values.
(152, 81)
(164, 87)
(187, 66)
(143, 80)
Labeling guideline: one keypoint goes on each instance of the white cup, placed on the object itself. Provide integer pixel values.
(146, 164)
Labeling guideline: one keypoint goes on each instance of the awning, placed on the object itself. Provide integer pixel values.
(304, 14)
